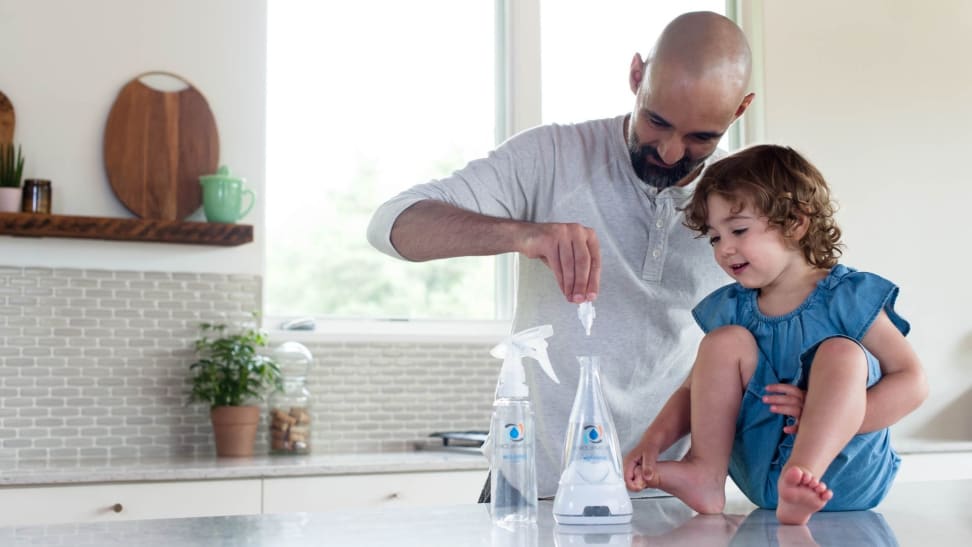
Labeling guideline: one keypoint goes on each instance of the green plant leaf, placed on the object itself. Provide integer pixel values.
(11, 167)
(229, 370)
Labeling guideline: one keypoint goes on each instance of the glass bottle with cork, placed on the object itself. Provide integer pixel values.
(290, 409)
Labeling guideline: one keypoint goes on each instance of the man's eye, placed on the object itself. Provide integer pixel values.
(713, 240)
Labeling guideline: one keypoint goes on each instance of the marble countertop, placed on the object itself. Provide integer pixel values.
(98, 470)
(941, 517)
(45, 472)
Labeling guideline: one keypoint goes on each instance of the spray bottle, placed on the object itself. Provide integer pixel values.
(512, 442)
(591, 489)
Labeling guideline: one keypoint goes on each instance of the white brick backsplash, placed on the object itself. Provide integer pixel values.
(94, 363)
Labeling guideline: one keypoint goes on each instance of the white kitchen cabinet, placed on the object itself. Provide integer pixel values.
(328, 493)
(128, 501)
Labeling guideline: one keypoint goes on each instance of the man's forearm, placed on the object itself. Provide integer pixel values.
(432, 229)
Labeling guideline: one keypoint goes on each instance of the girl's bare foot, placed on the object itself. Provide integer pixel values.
(690, 481)
(801, 495)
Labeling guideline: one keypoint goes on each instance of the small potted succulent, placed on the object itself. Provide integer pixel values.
(11, 171)
(231, 376)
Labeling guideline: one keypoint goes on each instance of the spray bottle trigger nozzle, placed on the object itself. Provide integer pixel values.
(527, 343)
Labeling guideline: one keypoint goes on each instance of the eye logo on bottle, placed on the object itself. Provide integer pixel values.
(593, 434)
(515, 432)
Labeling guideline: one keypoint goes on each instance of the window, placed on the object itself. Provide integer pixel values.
(367, 100)
(363, 102)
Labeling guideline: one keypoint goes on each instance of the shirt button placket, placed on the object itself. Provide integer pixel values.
(657, 238)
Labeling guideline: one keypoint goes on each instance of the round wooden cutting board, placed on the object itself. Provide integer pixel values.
(7, 120)
(157, 143)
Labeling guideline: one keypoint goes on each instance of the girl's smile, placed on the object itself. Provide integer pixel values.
(736, 269)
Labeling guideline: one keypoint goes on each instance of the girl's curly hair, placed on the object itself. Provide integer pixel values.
(780, 184)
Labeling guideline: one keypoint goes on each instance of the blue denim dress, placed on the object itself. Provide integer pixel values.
(844, 304)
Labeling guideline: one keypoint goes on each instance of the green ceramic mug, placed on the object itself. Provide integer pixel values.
(223, 197)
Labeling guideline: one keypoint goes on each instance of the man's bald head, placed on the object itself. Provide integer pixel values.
(702, 45)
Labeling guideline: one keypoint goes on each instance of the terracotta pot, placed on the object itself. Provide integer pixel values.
(234, 429)
(10, 199)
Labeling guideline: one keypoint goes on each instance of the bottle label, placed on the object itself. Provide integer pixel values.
(515, 432)
(592, 448)
(513, 443)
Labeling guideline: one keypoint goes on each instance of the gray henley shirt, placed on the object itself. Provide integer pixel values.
(653, 272)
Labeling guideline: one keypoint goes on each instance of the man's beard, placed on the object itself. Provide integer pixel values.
(659, 177)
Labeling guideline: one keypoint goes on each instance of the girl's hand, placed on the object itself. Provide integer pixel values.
(639, 467)
(787, 400)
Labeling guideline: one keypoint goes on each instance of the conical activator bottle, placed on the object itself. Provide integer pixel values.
(591, 489)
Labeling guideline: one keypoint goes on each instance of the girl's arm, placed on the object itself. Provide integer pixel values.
(671, 424)
(903, 386)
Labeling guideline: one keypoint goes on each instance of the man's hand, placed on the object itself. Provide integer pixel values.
(572, 252)
(787, 400)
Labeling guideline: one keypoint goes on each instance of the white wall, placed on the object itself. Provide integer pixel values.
(62, 64)
(878, 93)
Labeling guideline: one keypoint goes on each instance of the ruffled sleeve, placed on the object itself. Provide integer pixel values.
(722, 307)
(856, 298)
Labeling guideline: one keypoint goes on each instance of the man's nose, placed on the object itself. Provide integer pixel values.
(671, 149)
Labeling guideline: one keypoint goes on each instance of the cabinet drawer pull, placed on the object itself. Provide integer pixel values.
(393, 496)
(117, 508)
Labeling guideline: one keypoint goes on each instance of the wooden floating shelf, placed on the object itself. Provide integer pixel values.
(125, 229)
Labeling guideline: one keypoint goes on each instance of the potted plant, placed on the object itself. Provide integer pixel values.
(230, 375)
(11, 171)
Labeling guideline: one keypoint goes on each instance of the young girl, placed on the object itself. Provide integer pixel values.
(804, 364)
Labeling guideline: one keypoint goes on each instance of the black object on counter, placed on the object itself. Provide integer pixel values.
(461, 438)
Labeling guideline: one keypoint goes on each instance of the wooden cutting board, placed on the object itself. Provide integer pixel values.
(157, 143)
(7, 120)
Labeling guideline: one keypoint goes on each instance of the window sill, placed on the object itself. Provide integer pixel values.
(390, 330)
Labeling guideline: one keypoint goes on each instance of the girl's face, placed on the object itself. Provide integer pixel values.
(748, 248)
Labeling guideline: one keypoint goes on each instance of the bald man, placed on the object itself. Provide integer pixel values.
(594, 210)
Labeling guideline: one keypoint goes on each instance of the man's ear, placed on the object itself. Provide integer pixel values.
(744, 105)
(637, 73)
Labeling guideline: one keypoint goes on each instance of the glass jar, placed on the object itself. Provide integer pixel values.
(290, 417)
(36, 196)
